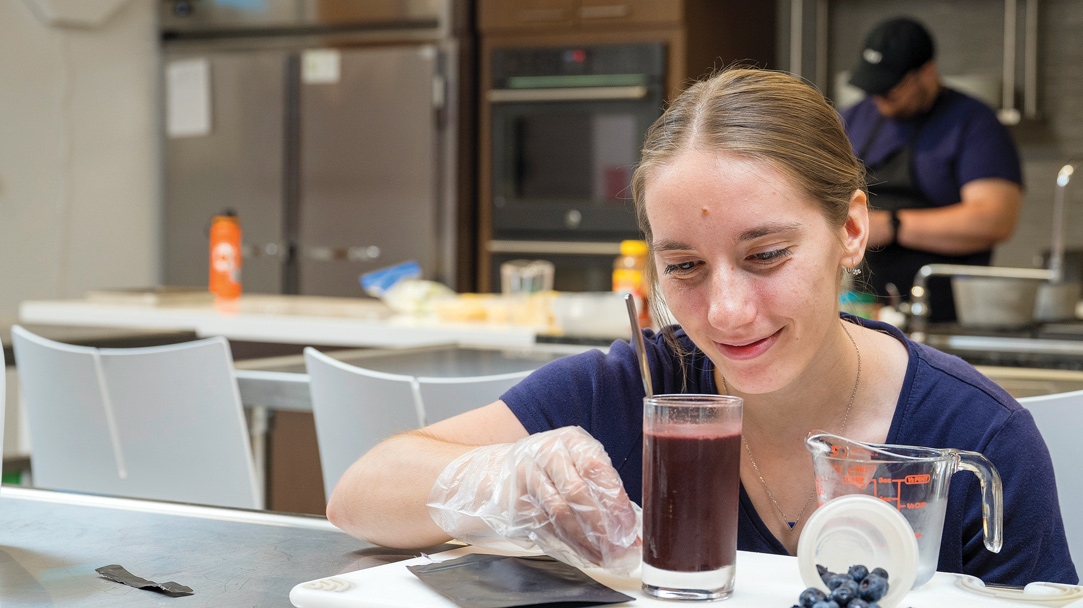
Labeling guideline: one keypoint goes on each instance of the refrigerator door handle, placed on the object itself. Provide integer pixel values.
(352, 254)
(265, 250)
(569, 94)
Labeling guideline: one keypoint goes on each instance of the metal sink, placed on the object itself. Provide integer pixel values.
(1032, 382)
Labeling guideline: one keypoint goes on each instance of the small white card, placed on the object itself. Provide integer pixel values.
(320, 66)
(188, 98)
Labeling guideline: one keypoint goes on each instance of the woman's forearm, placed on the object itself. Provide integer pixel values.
(381, 498)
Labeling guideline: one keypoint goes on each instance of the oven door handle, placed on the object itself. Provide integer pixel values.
(567, 94)
(553, 247)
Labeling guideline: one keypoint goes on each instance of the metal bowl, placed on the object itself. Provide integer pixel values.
(994, 302)
(1057, 301)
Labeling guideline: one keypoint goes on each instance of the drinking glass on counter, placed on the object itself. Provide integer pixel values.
(691, 473)
(524, 277)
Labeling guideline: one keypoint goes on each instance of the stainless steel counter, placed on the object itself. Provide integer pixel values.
(51, 543)
(1018, 349)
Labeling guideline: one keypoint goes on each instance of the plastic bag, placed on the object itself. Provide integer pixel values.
(555, 491)
(399, 288)
(377, 282)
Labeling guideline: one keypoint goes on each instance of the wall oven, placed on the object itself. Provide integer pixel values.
(567, 126)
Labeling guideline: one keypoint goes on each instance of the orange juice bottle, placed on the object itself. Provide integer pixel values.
(628, 276)
(225, 278)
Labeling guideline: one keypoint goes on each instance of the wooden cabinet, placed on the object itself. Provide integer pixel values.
(501, 14)
(615, 12)
(494, 15)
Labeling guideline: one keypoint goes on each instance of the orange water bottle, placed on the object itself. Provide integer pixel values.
(628, 276)
(225, 280)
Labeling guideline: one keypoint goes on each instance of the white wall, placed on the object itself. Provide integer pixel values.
(79, 152)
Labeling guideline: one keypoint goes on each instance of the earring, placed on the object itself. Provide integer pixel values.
(852, 270)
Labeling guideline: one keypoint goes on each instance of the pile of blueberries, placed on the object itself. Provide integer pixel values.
(858, 588)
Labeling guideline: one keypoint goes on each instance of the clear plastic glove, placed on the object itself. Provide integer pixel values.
(556, 491)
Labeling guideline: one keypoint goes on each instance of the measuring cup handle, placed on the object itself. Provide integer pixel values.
(992, 493)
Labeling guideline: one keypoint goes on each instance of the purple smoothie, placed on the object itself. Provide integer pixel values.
(690, 493)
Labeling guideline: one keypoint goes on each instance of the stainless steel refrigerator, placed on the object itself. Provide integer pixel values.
(328, 127)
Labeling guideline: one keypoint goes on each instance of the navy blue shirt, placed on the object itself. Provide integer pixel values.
(961, 141)
(944, 403)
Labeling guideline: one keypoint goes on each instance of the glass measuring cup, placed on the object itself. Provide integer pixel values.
(912, 479)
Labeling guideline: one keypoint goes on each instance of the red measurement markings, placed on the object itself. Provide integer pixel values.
(864, 470)
(838, 451)
(859, 475)
(856, 480)
(898, 483)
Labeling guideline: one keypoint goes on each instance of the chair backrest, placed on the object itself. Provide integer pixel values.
(163, 422)
(1060, 420)
(354, 409)
(3, 394)
(446, 397)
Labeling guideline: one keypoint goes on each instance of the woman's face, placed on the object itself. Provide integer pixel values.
(748, 265)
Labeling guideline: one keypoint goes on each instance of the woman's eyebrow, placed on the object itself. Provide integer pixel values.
(670, 246)
(747, 235)
(767, 229)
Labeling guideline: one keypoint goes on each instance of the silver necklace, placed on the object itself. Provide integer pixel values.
(842, 430)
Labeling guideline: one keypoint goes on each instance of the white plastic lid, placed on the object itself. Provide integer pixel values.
(859, 529)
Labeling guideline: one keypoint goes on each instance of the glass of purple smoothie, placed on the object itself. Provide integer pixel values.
(691, 474)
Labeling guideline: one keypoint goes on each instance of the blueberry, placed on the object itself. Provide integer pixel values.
(810, 596)
(858, 572)
(826, 577)
(858, 603)
(873, 588)
(826, 604)
(821, 570)
(837, 580)
(880, 571)
(844, 592)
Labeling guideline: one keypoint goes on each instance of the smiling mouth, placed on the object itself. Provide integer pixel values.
(746, 344)
(748, 350)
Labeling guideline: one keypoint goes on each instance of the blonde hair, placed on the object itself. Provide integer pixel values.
(760, 115)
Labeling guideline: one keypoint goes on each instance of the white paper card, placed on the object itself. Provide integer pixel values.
(320, 66)
(188, 98)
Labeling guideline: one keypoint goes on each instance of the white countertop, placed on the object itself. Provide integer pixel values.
(283, 319)
(763, 581)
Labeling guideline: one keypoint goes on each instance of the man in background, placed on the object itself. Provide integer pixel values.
(944, 176)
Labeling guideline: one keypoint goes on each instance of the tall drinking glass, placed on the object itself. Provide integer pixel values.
(691, 474)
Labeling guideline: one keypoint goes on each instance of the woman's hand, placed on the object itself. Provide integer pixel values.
(557, 491)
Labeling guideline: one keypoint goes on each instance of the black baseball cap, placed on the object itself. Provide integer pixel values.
(892, 49)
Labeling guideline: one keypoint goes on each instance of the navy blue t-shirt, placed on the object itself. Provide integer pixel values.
(944, 403)
(961, 141)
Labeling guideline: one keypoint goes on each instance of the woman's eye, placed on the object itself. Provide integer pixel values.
(769, 257)
(682, 268)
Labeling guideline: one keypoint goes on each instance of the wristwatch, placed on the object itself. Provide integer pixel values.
(895, 223)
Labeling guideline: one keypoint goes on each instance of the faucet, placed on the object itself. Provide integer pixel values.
(919, 305)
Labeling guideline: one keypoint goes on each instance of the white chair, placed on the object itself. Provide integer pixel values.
(3, 394)
(1060, 420)
(446, 397)
(163, 422)
(354, 409)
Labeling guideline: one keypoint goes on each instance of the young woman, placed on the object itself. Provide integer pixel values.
(754, 206)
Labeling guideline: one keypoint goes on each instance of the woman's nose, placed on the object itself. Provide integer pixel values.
(732, 299)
